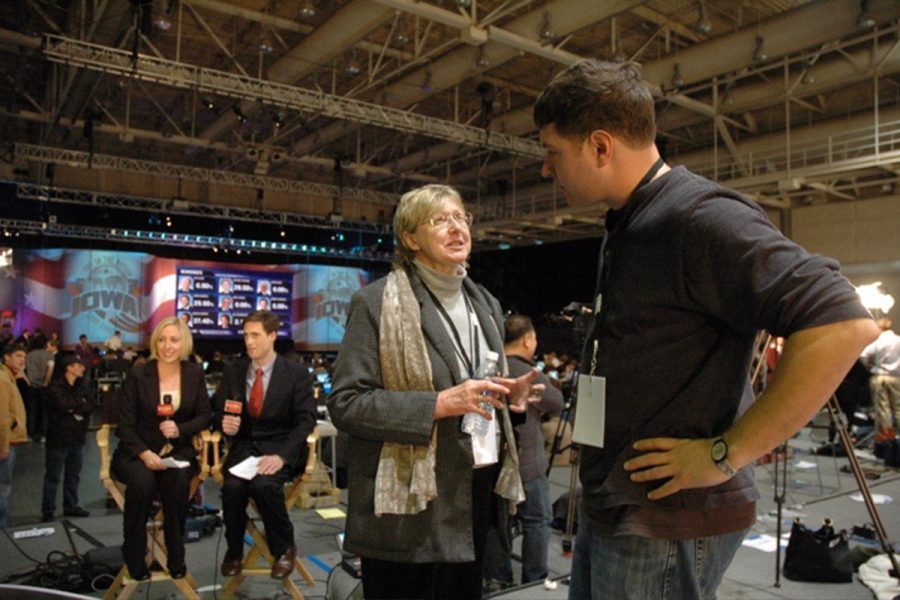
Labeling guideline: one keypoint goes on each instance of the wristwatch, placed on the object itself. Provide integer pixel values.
(719, 455)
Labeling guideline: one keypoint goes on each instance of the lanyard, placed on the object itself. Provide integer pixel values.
(474, 345)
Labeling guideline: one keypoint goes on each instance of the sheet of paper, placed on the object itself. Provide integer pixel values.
(174, 463)
(765, 542)
(330, 513)
(805, 464)
(590, 411)
(246, 469)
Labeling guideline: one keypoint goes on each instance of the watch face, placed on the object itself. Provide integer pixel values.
(719, 450)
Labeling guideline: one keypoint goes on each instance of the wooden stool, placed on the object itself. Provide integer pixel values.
(123, 586)
(260, 549)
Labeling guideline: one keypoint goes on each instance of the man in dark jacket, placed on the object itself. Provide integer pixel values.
(69, 409)
(520, 344)
(277, 412)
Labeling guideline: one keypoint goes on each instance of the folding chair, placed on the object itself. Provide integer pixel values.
(156, 543)
(260, 549)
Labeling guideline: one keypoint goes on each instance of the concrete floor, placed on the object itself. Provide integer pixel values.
(816, 489)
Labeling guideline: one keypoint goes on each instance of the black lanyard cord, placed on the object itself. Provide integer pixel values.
(474, 345)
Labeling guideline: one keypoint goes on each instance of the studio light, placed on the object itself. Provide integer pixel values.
(265, 41)
(278, 120)
(759, 53)
(241, 117)
(807, 77)
(352, 67)
(702, 26)
(208, 103)
(401, 37)
(307, 11)
(481, 59)
(546, 29)
(865, 20)
(677, 79)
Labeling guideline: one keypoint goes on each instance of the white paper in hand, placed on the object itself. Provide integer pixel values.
(174, 463)
(246, 469)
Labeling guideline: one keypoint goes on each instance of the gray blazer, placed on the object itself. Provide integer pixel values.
(359, 406)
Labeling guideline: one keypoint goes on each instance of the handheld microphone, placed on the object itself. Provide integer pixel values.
(234, 407)
(165, 410)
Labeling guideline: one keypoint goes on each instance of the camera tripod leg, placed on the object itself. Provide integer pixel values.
(834, 411)
(780, 496)
(570, 512)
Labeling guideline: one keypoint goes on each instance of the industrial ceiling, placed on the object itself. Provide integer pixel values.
(321, 113)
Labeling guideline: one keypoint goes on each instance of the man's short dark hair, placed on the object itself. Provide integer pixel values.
(82, 337)
(269, 320)
(516, 328)
(592, 95)
(13, 348)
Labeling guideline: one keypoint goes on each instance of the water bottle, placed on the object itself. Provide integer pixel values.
(473, 423)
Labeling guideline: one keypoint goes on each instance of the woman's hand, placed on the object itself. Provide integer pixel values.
(468, 396)
(152, 460)
(169, 429)
(522, 391)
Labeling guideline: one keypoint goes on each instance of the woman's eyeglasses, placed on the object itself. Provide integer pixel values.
(442, 221)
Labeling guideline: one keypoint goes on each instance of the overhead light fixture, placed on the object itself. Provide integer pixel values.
(546, 29)
(702, 26)
(277, 119)
(677, 79)
(464, 3)
(807, 77)
(727, 100)
(426, 85)
(400, 36)
(162, 11)
(265, 41)
(208, 103)
(307, 11)
(619, 55)
(352, 67)
(759, 53)
(865, 20)
(481, 59)
(238, 113)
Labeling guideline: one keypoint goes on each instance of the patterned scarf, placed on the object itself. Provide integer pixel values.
(406, 480)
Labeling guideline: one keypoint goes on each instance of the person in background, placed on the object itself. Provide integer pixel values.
(690, 272)
(85, 353)
(13, 423)
(39, 366)
(419, 504)
(146, 438)
(114, 342)
(882, 358)
(278, 414)
(536, 512)
(69, 410)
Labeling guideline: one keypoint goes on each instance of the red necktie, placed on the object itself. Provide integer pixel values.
(256, 395)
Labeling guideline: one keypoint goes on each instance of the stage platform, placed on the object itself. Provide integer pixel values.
(817, 488)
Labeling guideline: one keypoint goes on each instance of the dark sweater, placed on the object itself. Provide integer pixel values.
(692, 271)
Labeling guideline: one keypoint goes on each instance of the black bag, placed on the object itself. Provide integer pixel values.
(822, 556)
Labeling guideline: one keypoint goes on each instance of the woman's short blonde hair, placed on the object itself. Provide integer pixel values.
(415, 206)
(187, 340)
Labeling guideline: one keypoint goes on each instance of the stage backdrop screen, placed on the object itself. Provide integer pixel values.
(214, 301)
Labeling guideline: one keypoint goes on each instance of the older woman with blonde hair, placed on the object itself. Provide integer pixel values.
(163, 403)
(422, 492)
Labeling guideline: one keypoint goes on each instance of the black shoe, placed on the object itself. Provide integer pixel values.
(76, 512)
(140, 574)
(47, 517)
(177, 572)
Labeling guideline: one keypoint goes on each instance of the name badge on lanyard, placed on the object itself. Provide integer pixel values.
(590, 411)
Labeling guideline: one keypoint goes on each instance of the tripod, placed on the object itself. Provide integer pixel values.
(834, 412)
(566, 416)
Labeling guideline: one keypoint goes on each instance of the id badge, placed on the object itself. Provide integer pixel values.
(590, 411)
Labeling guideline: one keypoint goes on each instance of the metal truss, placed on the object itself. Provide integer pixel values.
(76, 158)
(176, 206)
(123, 63)
(15, 227)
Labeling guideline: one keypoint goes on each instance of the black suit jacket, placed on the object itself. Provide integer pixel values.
(138, 428)
(288, 413)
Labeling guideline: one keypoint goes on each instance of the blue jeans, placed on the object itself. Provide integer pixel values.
(71, 458)
(536, 513)
(6, 475)
(633, 567)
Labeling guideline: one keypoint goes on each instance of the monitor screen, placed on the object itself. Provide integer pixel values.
(323, 378)
(214, 301)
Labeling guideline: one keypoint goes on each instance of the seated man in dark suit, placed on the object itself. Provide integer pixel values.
(277, 415)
